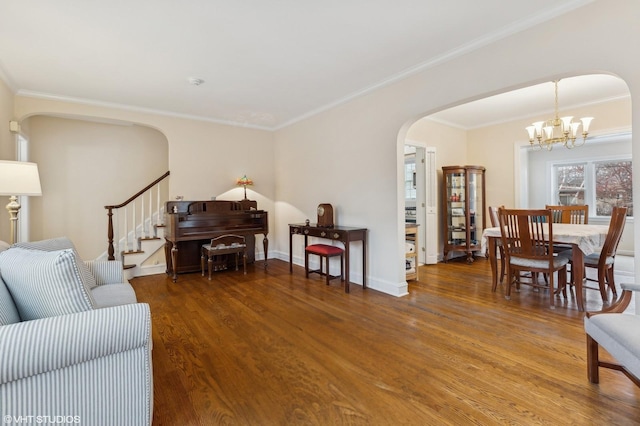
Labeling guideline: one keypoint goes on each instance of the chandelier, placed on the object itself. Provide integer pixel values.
(563, 130)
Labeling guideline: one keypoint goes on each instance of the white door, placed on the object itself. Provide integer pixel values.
(426, 202)
(431, 201)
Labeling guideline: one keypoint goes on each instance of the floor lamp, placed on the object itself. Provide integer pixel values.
(18, 178)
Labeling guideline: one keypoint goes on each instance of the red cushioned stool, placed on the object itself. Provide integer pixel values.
(325, 252)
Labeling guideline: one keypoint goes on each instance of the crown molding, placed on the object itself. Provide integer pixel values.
(498, 34)
(113, 105)
(493, 37)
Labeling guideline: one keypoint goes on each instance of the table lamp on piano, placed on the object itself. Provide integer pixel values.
(244, 181)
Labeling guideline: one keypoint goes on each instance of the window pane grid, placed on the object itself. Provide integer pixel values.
(606, 184)
(570, 186)
(409, 182)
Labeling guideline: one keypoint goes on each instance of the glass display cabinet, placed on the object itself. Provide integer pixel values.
(463, 207)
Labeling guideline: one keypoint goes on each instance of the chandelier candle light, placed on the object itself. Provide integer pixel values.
(543, 134)
(244, 181)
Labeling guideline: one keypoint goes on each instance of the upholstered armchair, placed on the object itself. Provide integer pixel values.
(618, 333)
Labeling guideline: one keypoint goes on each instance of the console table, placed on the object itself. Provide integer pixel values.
(344, 234)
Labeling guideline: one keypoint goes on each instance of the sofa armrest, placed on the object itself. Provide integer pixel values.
(106, 271)
(630, 286)
(33, 347)
(621, 304)
(70, 362)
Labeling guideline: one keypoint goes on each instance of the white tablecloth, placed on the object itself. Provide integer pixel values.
(589, 238)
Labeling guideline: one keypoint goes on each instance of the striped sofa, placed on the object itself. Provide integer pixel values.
(75, 346)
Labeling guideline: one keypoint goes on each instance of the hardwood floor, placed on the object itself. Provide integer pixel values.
(273, 348)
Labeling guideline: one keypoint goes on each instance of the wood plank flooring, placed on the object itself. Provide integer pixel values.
(273, 348)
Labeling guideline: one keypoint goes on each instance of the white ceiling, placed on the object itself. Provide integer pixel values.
(265, 63)
(535, 102)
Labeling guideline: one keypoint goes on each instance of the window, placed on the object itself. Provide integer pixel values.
(613, 186)
(410, 177)
(602, 183)
(569, 189)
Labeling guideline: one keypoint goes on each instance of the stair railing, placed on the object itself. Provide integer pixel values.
(142, 224)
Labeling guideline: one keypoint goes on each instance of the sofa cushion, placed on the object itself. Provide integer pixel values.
(51, 244)
(8, 311)
(113, 295)
(61, 243)
(44, 283)
(558, 262)
(617, 334)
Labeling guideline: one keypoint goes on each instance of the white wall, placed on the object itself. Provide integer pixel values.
(506, 139)
(539, 171)
(451, 149)
(204, 158)
(351, 155)
(7, 149)
(539, 163)
(7, 139)
(495, 147)
(84, 166)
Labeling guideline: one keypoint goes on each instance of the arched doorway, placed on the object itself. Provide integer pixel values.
(86, 163)
(491, 131)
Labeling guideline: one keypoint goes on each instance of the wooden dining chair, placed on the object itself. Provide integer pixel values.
(578, 215)
(527, 240)
(604, 260)
(495, 222)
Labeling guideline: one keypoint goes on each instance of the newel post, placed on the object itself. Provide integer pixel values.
(110, 250)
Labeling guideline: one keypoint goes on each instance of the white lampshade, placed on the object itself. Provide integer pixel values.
(532, 132)
(586, 122)
(574, 129)
(566, 123)
(19, 178)
(538, 126)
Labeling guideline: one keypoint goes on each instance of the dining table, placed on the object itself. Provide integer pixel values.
(583, 239)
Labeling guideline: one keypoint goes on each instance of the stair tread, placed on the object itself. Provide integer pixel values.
(133, 252)
(149, 238)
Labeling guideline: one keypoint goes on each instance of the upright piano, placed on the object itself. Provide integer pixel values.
(190, 224)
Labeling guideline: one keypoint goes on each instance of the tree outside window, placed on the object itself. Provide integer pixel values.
(603, 184)
(613, 187)
(570, 185)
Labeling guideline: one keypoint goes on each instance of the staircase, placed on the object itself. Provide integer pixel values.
(148, 256)
(135, 230)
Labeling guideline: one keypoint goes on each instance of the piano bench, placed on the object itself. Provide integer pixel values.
(222, 246)
(325, 252)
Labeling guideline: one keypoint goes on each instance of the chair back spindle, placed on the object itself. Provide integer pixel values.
(578, 215)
